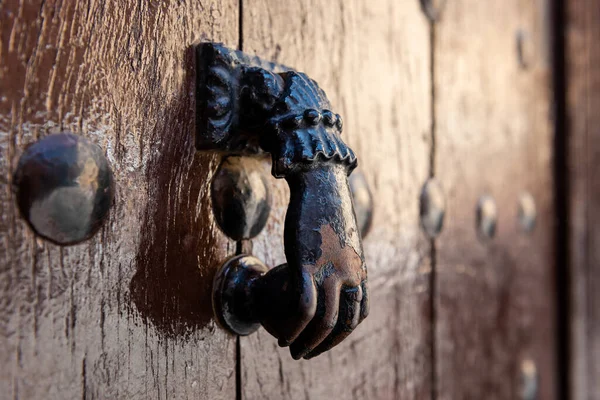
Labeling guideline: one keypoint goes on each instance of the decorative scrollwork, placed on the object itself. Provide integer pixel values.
(247, 105)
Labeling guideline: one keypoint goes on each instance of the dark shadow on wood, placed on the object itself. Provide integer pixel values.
(176, 256)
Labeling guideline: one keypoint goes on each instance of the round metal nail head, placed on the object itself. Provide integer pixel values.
(363, 202)
(64, 188)
(432, 207)
(527, 213)
(525, 50)
(433, 9)
(529, 380)
(487, 215)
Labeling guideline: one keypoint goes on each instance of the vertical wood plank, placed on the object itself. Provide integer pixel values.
(372, 59)
(582, 57)
(494, 299)
(126, 315)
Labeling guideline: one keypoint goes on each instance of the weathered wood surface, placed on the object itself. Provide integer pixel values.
(127, 314)
(372, 59)
(494, 300)
(582, 56)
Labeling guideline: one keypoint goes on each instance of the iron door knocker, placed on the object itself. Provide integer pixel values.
(248, 106)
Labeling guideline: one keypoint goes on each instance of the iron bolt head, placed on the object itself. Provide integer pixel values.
(432, 208)
(487, 216)
(64, 188)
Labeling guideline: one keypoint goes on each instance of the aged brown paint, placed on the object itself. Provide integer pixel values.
(343, 256)
(495, 301)
(113, 71)
(370, 57)
(582, 58)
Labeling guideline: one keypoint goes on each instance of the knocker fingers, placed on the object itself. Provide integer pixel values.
(307, 307)
(352, 300)
(323, 322)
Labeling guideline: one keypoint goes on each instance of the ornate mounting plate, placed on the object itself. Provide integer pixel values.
(218, 94)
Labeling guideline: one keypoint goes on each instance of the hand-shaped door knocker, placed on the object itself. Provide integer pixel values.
(248, 106)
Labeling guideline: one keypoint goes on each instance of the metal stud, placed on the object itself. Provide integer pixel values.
(241, 198)
(529, 380)
(64, 188)
(363, 202)
(487, 215)
(432, 208)
(527, 213)
(433, 8)
(525, 51)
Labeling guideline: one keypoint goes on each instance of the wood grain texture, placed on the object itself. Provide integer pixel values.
(582, 56)
(372, 59)
(126, 315)
(494, 299)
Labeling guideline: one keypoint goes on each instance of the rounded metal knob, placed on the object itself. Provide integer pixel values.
(64, 188)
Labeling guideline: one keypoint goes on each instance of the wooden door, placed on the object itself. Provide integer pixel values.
(579, 129)
(127, 314)
(372, 59)
(464, 98)
(459, 317)
(495, 301)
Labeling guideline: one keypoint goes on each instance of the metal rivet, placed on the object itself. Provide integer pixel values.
(64, 188)
(363, 202)
(525, 51)
(241, 198)
(527, 213)
(312, 116)
(487, 215)
(433, 8)
(328, 118)
(529, 380)
(432, 207)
